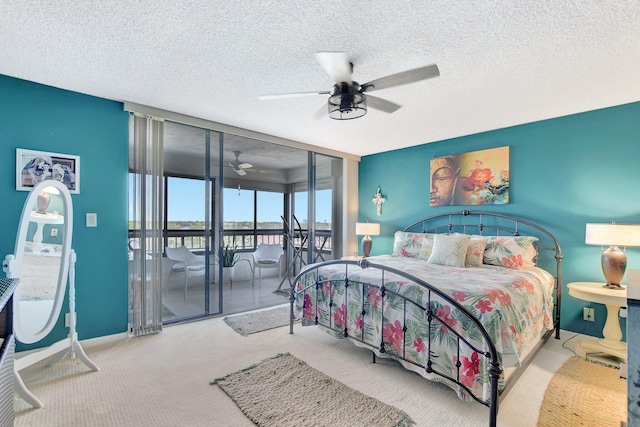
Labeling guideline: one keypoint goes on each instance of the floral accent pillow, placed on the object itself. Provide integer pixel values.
(407, 244)
(511, 251)
(475, 251)
(449, 249)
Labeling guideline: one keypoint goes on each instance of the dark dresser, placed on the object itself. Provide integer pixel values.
(7, 286)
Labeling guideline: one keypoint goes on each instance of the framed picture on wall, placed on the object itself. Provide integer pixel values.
(472, 178)
(33, 167)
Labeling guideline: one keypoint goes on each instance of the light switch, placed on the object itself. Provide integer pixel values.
(92, 219)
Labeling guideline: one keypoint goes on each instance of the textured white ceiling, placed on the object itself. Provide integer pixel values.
(502, 63)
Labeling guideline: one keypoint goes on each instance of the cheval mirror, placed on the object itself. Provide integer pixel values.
(45, 263)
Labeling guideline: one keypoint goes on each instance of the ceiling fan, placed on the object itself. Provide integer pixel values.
(348, 99)
(239, 167)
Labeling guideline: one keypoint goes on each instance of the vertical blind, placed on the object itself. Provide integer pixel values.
(146, 219)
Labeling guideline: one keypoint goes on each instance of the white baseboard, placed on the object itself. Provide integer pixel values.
(88, 343)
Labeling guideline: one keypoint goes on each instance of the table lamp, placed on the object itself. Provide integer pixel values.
(614, 261)
(44, 198)
(367, 229)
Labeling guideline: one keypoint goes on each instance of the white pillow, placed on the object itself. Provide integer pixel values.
(449, 249)
(427, 247)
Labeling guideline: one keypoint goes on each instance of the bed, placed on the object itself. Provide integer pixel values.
(466, 298)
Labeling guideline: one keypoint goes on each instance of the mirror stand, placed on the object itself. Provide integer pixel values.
(68, 346)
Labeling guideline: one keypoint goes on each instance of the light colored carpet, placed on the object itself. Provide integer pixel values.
(163, 380)
(283, 391)
(259, 321)
(39, 277)
(584, 393)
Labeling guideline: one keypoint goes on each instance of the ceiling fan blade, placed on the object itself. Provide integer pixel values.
(382, 104)
(245, 165)
(291, 95)
(402, 78)
(336, 65)
(240, 172)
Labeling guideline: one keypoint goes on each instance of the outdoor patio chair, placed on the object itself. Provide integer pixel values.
(185, 261)
(267, 256)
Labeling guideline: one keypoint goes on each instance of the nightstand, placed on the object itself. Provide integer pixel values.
(613, 299)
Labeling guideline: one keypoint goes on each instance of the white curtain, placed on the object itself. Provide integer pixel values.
(146, 219)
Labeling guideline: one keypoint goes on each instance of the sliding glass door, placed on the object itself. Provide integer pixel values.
(317, 210)
(326, 207)
(222, 192)
(191, 288)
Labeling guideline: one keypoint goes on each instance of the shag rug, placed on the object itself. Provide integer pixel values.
(583, 393)
(259, 321)
(284, 391)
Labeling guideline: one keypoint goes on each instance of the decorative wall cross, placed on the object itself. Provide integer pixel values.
(378, 200)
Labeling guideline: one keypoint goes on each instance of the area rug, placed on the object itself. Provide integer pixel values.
(283, 292)
(259, 321)
(284, 391)
(583, 393)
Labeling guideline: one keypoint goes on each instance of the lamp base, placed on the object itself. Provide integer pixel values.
(615, 286)
(366, 245)
(43, 202)
(614, 263)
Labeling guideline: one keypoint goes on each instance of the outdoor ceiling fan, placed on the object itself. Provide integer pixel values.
(347, 98)
(239, 167)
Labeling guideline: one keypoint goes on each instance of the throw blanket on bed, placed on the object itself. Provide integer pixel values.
(514, 305)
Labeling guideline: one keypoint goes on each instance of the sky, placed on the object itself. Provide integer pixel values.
(186, 203)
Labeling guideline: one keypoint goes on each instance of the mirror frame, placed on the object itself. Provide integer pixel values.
(63, 273)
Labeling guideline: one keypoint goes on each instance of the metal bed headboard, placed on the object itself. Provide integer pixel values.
(496, 224)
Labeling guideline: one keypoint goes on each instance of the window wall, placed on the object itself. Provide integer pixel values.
(252, 217)
(185, 225)
(228, 190)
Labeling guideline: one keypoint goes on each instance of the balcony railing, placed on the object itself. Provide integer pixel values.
(244, 240)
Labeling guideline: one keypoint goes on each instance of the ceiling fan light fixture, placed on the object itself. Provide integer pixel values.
(347, 102)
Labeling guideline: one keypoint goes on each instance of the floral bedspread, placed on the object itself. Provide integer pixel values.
(514, 305)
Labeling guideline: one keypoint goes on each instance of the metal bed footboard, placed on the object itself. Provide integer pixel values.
(487, 349)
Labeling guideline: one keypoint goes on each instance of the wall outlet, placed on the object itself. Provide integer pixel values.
(588, 314)
(54, 232)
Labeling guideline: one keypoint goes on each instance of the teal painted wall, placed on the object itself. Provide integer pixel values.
(564, 173)
(38, 117)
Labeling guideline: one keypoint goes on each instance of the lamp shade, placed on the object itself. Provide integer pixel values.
(612, 234)
(367, 229)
